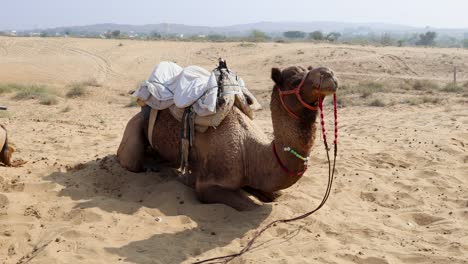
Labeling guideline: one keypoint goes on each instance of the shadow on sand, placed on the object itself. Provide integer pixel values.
(103, 184)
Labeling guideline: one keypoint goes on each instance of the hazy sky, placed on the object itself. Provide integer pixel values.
(26, 14)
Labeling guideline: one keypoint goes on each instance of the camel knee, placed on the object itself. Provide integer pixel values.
(131, 151)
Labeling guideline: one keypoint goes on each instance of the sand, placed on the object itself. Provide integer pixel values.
(400, 192)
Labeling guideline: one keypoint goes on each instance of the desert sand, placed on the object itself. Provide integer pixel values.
(400, 192)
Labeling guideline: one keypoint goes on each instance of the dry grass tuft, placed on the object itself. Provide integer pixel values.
(76, 90)
(25, 92)
(425, 85)
(452, 88)
(91, 82)
(132, 103)
(377, 103)
(48, 100)
(5, 114)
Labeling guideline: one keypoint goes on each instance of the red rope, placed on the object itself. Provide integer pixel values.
(331, 173)
(283, 167)
(336, 119)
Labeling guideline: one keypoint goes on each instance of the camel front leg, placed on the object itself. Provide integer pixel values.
(217, 194)
(131, 151)
(266, 197)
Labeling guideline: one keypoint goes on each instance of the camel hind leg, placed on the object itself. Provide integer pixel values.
(131, 152)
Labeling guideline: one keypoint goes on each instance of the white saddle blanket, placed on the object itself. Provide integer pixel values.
(171, 84)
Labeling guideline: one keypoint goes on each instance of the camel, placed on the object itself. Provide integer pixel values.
(237, 155)
(5, 150)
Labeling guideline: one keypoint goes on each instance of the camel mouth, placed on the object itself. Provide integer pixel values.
(329, 86)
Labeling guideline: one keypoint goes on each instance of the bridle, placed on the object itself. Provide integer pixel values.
(297, 91)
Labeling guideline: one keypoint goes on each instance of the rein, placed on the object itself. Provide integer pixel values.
(331, 174)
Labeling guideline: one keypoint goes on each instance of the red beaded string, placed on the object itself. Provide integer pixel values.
(336, 119)
(322, 122)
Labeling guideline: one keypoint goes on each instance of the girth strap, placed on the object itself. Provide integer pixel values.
(151, 123)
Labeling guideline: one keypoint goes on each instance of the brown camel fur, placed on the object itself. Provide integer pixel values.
(237, 154)
(5, 150)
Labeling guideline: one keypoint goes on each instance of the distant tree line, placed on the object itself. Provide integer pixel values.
(353, 37)
(315, 35)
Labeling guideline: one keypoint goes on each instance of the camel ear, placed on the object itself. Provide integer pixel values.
(310, 68)
(276, 76)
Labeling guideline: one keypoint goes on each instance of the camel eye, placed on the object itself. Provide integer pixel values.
(296, 82)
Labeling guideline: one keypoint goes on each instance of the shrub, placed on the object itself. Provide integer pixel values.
(258, 36)
(76, 90)
(424, 85)
(452, 88)
(426, 39)
(294, 34)
(316, 35)
(91, 82)
(48, 100)
(432, 100)
(25, 92)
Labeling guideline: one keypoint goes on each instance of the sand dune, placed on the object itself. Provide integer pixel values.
(400, 193)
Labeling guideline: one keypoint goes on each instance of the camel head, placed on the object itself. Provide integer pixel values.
(300, 88)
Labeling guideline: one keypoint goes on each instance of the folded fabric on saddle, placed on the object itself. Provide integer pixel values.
(210, 95)
(197, 98)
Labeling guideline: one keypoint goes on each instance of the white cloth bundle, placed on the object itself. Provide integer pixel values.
(170, 84)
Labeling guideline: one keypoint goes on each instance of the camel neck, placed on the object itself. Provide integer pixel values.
(298, 135)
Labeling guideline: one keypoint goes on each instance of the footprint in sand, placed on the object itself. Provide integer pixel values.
(78, 216)
(423, 219)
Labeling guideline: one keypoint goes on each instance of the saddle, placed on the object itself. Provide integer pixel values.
(209, 99)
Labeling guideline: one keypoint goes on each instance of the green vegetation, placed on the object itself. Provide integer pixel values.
(258, 36)
(316, 35)
(294, 34)
(333, 36)
(44, 94)
(426, 39)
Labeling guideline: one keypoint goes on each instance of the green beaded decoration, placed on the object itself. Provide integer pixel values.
(292, 151)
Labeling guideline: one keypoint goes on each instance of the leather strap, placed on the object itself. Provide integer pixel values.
(151, 123)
